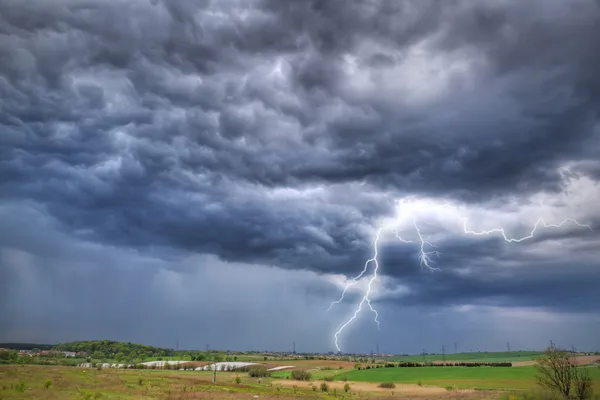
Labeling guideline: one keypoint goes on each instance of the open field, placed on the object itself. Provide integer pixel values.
(29, 382)
(522, 378)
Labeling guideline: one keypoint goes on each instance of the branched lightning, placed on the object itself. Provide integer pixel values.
(518, 240)
(424, 256)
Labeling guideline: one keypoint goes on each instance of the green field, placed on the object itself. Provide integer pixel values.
(500, 356)
(461, 377)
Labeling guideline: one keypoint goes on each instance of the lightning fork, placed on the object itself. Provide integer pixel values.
(424, 257)
(368, 291)
(531, 235)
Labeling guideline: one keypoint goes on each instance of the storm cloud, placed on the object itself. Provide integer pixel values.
(265, 141)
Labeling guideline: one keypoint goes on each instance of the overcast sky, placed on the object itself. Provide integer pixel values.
(213, 171)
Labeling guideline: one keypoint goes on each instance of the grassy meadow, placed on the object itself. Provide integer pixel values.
(506, 378)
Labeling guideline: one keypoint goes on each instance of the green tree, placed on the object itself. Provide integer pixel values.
(119, 357)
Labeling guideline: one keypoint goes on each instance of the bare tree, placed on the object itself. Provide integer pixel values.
(558, 372)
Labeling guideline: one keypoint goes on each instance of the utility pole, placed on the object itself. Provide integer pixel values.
(508, 346)
(294, 347)
(443, 353)
(551, 344)
(207, 348)
(455, 348)
(573, 349)
(215, 373)
(423, 356)
(378, 348)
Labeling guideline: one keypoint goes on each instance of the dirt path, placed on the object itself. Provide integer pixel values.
(404, 389)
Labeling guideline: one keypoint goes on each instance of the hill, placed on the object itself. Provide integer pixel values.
(107, 349)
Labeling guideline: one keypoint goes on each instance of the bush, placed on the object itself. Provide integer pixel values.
(346, 388)
(20, 387)
(258, 371)
(420, 383)
(47, 383)
(324, 387)
(238, 380)
(301, 375)
(329, 378)
(387, 385)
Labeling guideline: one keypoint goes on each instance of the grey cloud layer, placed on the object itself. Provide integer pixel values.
(276, 132)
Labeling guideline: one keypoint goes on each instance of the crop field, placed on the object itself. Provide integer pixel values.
(461, 377)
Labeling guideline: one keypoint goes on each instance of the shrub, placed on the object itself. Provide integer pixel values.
(387, 385)
(258, 371)
(238, 380)
(47, 383)
(314, 388)
(301, 375)
(324, 387)
(140, 381)
(329, 378)
(20, 387)
(346, 387)
(420, 383)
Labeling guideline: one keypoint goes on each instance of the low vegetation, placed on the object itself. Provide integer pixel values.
(555, 376)
(301, 375)
(258, 371)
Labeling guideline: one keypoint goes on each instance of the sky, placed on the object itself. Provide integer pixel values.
(214, 172)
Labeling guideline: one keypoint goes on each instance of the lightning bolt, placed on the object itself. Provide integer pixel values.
(424, 256)
(367, 292)
(518, 240)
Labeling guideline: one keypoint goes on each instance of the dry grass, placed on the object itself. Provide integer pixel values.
(78, 383)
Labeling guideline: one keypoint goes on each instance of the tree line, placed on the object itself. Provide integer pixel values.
(407, 364)
(101, 349)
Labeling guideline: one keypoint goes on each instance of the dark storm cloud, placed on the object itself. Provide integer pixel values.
(239, 129)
